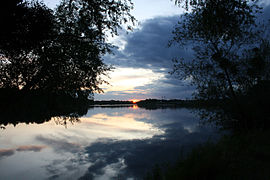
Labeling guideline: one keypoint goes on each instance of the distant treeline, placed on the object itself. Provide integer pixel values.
(174, 103)
(161, 103)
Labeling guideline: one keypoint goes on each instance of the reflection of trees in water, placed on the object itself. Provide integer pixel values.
(40, 107)
(64, 120)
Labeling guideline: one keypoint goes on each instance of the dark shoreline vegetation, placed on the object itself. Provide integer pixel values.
(51, 64)
(238, 156)
(174, 103)
(40, 106)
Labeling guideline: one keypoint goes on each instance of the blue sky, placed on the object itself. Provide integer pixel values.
(143, 59)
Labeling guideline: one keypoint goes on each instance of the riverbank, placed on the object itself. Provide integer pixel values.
(239, 156)
(174, 103)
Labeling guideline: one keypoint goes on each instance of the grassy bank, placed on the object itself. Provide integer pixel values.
(241, 156)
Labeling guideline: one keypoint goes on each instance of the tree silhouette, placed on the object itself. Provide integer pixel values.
(39, 107)
(226, 43)
(60, 50)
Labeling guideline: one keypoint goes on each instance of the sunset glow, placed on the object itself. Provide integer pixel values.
(134, 101)
(135, 107)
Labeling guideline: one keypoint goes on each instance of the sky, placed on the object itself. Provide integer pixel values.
(143, 59)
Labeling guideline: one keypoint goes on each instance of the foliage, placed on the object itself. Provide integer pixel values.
(61, 50)
(190, 4)
(37, 106)
(26, 28)
(230, 56)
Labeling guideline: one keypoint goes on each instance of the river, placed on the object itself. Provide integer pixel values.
(106, 143)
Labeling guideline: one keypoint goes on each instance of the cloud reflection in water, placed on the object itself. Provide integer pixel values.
(181, 133)
(106, 143)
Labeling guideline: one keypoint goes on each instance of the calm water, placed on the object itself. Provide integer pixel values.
(106, 143)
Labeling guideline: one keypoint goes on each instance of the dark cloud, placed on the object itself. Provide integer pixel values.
(266, 13)
(147, 47)
(168, 88)
(266, 10)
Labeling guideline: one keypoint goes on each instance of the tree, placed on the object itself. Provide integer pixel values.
(62, 50)
(24, 29)
(222, 32)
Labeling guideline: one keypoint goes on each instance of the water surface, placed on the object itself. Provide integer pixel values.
(106, 143)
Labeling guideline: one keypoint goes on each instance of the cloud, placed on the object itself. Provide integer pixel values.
(6, 152)
(60, 145)
(266, 12)
(264, 3)
(25, 148)
(168, 88)
(69, 161)
(147, 47)
(30, 148)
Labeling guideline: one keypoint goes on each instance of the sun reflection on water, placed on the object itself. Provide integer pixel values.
(135, 106)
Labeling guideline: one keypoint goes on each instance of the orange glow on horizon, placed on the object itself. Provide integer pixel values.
(134, 101)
